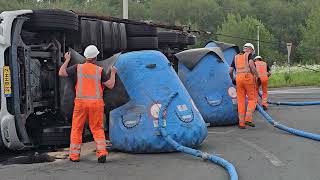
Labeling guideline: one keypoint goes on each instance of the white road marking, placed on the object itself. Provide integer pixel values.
(220, 132)
(271, 157)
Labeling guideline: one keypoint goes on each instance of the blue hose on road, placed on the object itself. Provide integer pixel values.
(296, 103)
(310, 103)
(285, 128)
(215, 159)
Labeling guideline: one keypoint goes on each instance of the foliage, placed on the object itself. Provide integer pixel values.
(283, 76)
(246, 28)
(310, 44)
(281, 21)
(305, 78)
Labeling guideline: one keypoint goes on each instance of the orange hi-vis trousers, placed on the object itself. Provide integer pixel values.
(93, 111)
(264, 86)
(246, 86)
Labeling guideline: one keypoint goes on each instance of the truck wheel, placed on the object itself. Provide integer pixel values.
(123, 37)
(90, 31)
(115, 37)
(107, 35)
(168, 37)
(191, 40)
(140, 43)
(141, 30)
(52, 20)
(182, 39)
(55, 136)
(2, 146)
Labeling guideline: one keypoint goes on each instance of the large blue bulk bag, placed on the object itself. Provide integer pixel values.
(205, 75)
(149, 80)
(228, 50)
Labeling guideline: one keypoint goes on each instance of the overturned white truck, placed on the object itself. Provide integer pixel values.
(35, 105)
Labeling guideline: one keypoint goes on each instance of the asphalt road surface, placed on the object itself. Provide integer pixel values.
(260, 153)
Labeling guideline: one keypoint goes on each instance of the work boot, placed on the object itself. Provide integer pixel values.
(102, 159)
(264, 107)
(250, 124)
(108, 144)
(242, 127)
(75, 160)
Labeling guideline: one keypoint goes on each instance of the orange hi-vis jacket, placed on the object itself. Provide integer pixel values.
(242, 64)
(261, 69)
(263, 76)
(89, 85)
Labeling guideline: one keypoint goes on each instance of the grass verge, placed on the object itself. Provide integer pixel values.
(304, 78)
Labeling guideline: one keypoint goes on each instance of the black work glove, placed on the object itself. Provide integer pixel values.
(259, 81)
(234, 82)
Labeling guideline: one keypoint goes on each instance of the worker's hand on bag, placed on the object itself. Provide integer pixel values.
(114, 70)
(67, 56)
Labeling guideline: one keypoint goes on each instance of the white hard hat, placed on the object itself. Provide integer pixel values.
(249, 45)
(91, 52)
(257, 57)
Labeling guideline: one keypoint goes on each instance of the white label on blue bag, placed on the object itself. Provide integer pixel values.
(186, 117)
(154, 110)
(232, 92)
(156, 123)
(182, 107)
(234, 101)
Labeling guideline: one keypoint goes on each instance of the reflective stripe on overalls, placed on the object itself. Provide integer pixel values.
(75, 149)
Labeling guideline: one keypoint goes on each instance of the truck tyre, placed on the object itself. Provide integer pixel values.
(141, 30)
(52, 20)
(191, 40)
(90, 31)
(123, 37)
(107, 35)
(50, 136)
(2, 146)
(182, 39)
(140, 43)
(168, 37)
(115, 37)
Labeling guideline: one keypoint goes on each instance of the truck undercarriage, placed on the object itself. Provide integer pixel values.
(38, 109)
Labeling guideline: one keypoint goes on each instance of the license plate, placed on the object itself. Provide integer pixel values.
(7, 81)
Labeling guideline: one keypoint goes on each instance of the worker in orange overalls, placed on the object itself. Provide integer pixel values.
(246, 73)
(263, 78)
(89, 103)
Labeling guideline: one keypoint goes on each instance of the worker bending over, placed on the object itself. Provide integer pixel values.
(89, 103)
(246, 74)
(263, 78)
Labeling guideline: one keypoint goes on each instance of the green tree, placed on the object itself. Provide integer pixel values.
(238, 30)
(309, 47)
(283, 18)
(139, 10)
